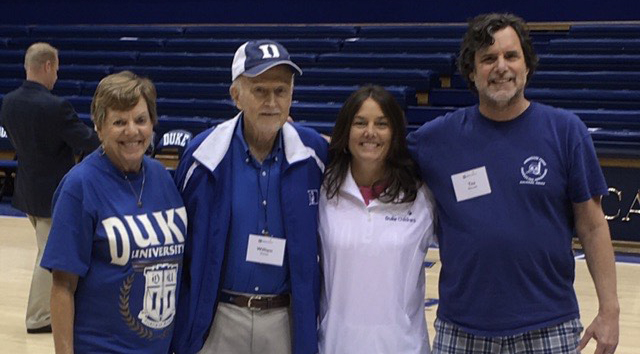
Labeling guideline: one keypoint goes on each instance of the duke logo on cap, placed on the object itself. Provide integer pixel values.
(255, 57)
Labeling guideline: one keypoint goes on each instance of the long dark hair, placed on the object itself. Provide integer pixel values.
(401, 172)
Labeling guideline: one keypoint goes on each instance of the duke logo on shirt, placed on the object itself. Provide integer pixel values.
(313, 196)
(149, 245)
(159, 295)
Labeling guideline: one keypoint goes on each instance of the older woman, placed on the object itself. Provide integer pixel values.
(116, 243)
(376, 223)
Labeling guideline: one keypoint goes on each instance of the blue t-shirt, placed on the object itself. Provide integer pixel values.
(255, 209)
(507, 261)
(128, 258)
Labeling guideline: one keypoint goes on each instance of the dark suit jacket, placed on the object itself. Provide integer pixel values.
(44, 130)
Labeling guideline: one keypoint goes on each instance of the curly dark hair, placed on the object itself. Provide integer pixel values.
(401, 172)
(480, 35)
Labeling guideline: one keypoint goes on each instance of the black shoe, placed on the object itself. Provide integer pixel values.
(45, 329)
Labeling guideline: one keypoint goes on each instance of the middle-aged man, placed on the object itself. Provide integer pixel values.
(512, 180)
(44, 129)
(250, 186)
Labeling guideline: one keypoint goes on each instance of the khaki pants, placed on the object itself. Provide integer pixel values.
(238, 330)
(38, 308)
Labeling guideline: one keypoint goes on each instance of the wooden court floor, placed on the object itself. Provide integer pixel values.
(17, 254)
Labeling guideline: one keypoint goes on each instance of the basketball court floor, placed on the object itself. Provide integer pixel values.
(17, 255)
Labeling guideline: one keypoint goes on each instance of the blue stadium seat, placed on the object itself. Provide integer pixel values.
(77, 57)
(609, 119)
(195, 125)
(593, 79)
(258, 32)
(421, 80)
(180, 74)
(218, 91)
(185, 59)
(325, 128)
(338, 94)
(11, 56)
(8, 167)
(566, 98)
(611, 80)
(594, 46)
(82, 104)
(444, 64)
(70, 31)
(404, 95)
(413, 31)
(311, 45)
(197, 107)
(616, 143)
(590, 62)
(98, 57)
(12, 71)
(84, 72)
(207, 59)
(401, 45)
(605, 31)
(315, 112)
(4, 43)
(68, 88)
(119, 44)
(173, 141)
(14, 31)
(8, 85)
(418, 115)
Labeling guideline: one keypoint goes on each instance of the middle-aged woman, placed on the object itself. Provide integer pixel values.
(117, 237)
(376, 223)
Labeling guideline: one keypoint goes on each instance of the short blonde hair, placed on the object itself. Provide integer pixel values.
(121, 92)
(38, 53)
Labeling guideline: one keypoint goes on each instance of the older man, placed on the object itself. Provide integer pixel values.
(45, 130)
(250, 186)
(513, 179)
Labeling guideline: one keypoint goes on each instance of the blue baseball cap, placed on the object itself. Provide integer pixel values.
(255, 57)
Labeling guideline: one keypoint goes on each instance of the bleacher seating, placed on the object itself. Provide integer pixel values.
(70, 31)
(446, 31)
(442, 63)
(594, 45)
(250, 32)
(593, 69)
(604, 31)
(402, 45)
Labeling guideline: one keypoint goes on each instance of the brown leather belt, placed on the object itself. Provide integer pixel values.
(256, 302)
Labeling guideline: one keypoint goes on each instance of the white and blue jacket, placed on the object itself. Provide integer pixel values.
(204, 180)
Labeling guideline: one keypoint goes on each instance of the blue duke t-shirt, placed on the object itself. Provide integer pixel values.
(128, 258)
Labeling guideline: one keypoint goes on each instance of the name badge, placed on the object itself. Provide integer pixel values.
(471, 184)
(266, 250)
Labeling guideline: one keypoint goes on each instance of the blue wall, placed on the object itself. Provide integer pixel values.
(301, 11)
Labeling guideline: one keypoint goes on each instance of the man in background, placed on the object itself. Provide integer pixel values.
(44, 130)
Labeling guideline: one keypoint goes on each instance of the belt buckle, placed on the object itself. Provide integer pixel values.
(251, 298)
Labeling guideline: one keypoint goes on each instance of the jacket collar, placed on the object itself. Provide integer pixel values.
(216, 145)
(34, 85)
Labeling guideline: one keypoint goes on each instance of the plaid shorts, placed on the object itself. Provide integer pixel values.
(560, 339)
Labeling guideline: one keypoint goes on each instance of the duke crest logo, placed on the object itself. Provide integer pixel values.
(533, 170)
(159, 295)
(313, 196)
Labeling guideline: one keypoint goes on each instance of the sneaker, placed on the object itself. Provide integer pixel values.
(45, 329)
